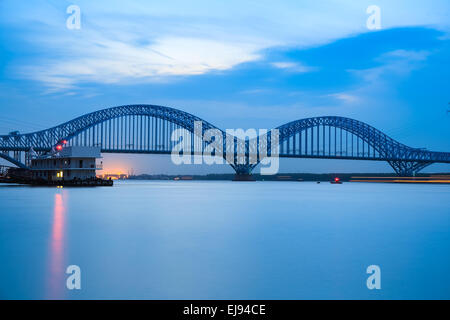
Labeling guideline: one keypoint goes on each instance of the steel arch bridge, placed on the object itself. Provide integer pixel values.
(149, 128)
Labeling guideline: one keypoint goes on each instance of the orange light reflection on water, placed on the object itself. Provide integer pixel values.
(56, 272)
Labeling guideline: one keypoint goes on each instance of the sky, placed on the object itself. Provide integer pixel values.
(236, 64)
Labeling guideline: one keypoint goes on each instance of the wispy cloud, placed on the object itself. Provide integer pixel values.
(114, 61)
(294, 67)
(255, 91)
(345, 97)
(393, 63)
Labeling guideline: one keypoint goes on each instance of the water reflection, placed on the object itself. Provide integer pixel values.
(56, 269)
(270, 240)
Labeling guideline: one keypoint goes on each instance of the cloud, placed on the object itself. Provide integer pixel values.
(163, 41)
(393, 64)
(406, 54)
(345, 97)
(255, 91)
(114, 61)
(293, 67)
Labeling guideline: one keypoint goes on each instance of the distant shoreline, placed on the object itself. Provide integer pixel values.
(287, 176)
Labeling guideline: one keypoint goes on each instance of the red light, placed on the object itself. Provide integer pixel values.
(59, 147)
(64, 141)
(336, 179)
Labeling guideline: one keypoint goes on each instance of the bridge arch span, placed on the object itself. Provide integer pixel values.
(146, 128)
(77, 126)
(374, 138)
(139, 128)
(334, 137)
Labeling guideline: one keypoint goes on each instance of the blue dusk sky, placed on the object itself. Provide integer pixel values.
(236, 64)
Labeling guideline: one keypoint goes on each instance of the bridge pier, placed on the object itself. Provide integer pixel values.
(243, 172)
(243, 177)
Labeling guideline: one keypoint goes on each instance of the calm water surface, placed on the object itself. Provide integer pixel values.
(225, 240)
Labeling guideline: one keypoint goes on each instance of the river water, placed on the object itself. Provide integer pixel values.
(225, 240)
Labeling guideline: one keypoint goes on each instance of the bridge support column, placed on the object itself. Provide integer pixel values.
(18, 156)
(408, 168)
(28, 158)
